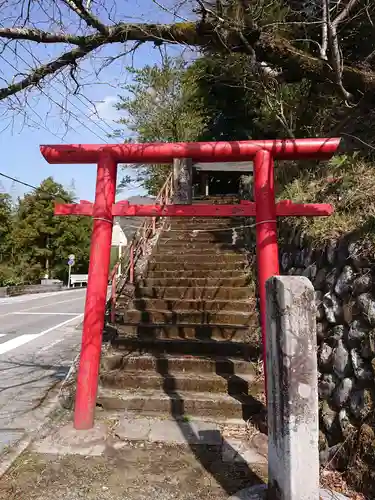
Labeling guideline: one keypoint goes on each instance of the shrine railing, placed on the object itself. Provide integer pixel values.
(138, 247)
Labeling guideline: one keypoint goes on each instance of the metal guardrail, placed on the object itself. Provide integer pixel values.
(78, 278)
(137, 247)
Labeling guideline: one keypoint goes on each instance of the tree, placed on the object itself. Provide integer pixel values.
(6, 222)
(42, 241)
(6, 247)
(216, 98)
(229, 96)
(323, 41)
(160, 106)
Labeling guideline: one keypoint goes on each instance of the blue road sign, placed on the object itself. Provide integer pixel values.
(70, 262)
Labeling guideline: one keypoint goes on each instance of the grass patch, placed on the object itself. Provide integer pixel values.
(348, 183)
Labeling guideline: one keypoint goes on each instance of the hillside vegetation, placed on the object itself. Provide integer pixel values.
(347, 181)
(217, 99)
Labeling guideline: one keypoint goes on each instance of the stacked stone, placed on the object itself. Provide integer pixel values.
(344, 282)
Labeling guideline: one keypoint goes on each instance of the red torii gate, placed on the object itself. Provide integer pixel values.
(265, 210)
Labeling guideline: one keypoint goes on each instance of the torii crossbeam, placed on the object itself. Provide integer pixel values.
(264, 209)
(285, 208)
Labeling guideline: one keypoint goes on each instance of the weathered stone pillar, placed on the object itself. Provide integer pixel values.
(292, 389)
(247, 187)
(182, 181)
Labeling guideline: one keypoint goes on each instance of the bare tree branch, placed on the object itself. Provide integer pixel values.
(324, 45)
(271, 50)
(36, 76)
(336, 54)
(345, 12)
(40, 36)
(91, 20)
(298, 64)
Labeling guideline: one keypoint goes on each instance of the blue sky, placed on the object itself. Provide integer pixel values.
(20, 155)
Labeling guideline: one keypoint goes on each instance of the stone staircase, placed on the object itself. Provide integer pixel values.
(186, 342)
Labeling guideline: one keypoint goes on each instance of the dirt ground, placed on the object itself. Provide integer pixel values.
(135, 473)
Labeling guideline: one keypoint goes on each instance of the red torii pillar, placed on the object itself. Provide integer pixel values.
(265, 210)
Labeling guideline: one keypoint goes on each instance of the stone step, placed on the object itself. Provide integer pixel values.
(194, 279)
(202, 222)
(222, 257)
(134, 361)
(202, 274)
(200, 246)
(197, 229)
(180, 404)
(176, 317)
(224, 236)
(176, 304)
(193, 431)
(217, 200)
(212, 383)
(242, 350)
(182, 331)
(182, 264)
(220, 292)
(211, 252)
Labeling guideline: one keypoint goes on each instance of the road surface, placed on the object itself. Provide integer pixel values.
(40, 336)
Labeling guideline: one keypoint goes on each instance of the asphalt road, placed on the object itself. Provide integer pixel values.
(40, 335)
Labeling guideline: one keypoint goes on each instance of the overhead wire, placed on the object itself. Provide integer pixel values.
(55, 102)
(67, 97)
(39, 124)
(35, 188)
(94, 122)
(59, 92)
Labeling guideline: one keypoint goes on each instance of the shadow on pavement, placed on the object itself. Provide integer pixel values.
(231, 475)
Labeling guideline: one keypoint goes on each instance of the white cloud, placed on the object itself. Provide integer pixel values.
(105, 109)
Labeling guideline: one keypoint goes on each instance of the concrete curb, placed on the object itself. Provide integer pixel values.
(66, 399)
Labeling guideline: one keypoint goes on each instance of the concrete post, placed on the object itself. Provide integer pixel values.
(182, 181)
(204, 187)
(293, 424)
(292, 405)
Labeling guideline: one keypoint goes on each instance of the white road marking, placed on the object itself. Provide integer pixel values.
(45, 348)
(45, 313)
(40, 307)
(20, 299)
(24, 339)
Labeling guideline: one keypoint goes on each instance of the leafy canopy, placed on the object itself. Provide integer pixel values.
(160, 105)
(41, 242)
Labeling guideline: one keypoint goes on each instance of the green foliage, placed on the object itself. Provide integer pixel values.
(232, 96)
(41, 241)
(347, 181)
(226, 93)
(159, 107)
(5, 227)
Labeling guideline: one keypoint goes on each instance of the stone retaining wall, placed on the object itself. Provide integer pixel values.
(344, 280)
(11, 291)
